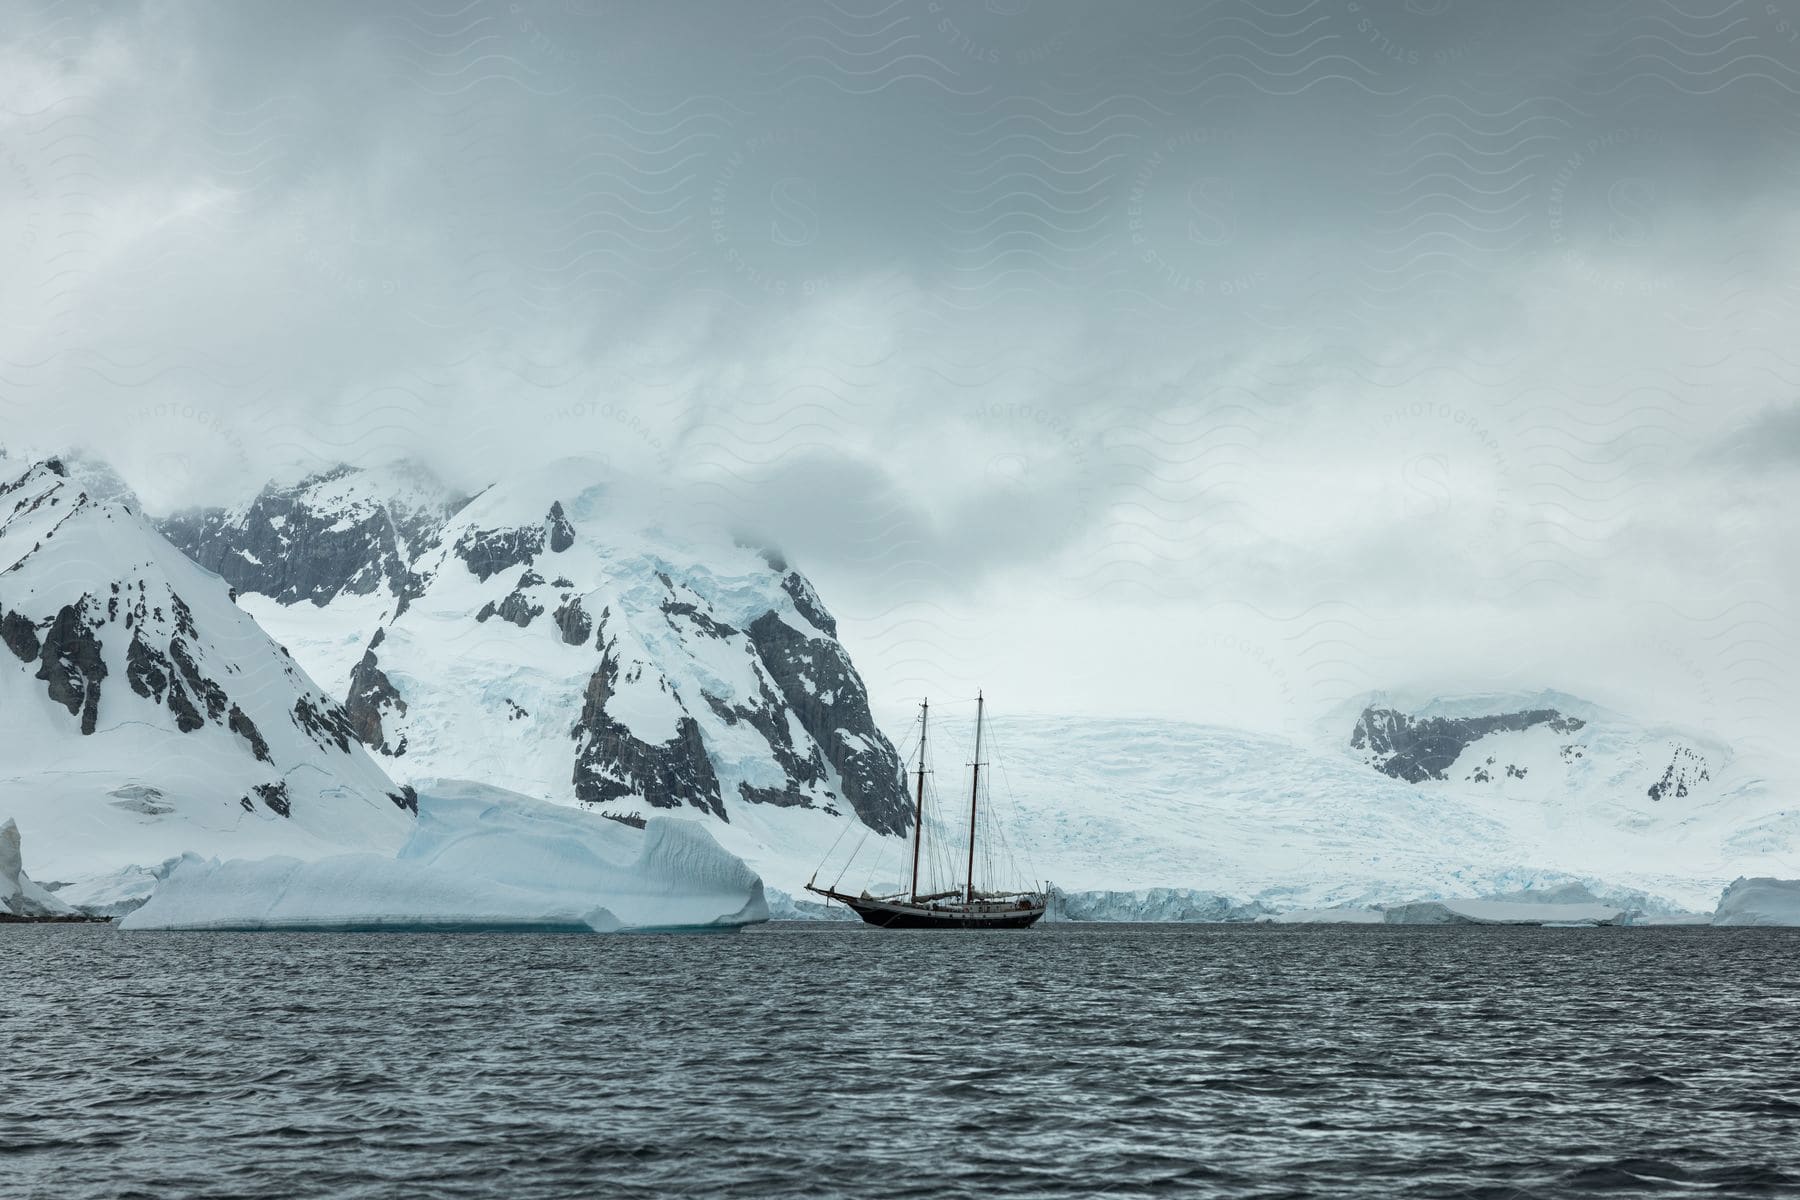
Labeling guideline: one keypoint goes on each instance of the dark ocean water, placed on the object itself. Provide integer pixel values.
(791, 1061)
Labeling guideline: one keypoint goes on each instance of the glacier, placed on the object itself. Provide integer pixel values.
(1565, 904)
(556, 634)
(481, 858)
(1303, 822)
(1151, 904)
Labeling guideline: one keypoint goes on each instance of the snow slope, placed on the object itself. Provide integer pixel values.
(145, 715)
(550, 635)
(553, 637)
(480, 858)
(1096, 805)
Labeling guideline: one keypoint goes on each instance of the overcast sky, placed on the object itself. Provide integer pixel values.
(1211, 361)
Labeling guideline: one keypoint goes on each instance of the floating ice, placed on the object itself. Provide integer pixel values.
(18, 895)
(482, 858)
(1502, 912)
(1759, 902)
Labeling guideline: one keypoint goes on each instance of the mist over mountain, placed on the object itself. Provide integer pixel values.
(1345, 348)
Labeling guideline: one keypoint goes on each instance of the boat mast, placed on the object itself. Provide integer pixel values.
(974, 791)
(919, 812)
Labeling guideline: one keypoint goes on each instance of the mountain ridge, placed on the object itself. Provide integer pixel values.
(601, 658)
(146, 713)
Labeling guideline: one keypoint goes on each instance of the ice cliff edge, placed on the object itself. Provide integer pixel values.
(481, 858)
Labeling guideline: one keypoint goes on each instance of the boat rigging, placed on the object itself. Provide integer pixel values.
(956, 908)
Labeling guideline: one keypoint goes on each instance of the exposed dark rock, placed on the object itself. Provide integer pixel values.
(610, 762)
(562, 534)
(240, 724)
(151, 674)
(184, 617)
(69, 661)
(780, 797)
(807, 601)
(1685, 767)
(406, 798)
(327, 724)
(371, 697)
(700, 618)
(519, 610)
(20, 635)
(1417, 749)
(210, 693)
(275, 795)
(147, 670)
(516, 606)
(823, 689)
(488, 552)
(285, 548)
(768, 716)
(574, 623)
(187, 717)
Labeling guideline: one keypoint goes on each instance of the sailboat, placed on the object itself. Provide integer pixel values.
(965, 907)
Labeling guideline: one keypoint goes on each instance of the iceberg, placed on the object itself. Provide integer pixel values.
(784, 907)
(1340, 915)
(480, 859)
(1566, 904)
(1499, 912)
(1761, 901)
(19, 896)
(116, 893)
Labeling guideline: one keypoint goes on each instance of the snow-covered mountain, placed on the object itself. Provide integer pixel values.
(554, 637)
(551, 636)
(343, 532)
(1095, 805)
(1537, 746)
(145, 715)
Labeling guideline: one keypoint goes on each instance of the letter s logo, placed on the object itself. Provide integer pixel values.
(1633, 204)
(1428, 477)
(1209, 219)
(795, 202)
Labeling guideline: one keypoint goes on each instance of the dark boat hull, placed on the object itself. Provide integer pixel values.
(892, 914)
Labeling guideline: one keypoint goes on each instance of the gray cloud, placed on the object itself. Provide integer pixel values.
(1154, 356)
(1769, 440)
